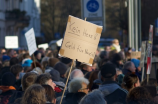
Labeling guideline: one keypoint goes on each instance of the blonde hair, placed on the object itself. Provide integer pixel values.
(34, 94)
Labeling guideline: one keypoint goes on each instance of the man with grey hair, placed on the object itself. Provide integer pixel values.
(77, 89)
(76, 73)
(128, 68)
(94, 97)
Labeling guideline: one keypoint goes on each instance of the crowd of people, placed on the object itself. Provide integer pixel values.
(113, 78)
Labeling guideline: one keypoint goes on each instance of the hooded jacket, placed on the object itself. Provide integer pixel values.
(113, 93)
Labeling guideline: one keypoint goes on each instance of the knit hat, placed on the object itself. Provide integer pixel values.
(27, 63)
(55, 75)
(61, 67)
(136, 62)
(108, 70)
(4, 58)
(8, 79)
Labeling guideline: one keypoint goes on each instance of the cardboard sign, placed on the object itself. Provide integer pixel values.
(44, 46)
(135, 55)
(11, 42)
(31, 42)
(81, 40)
(149, 49)
(143, 52)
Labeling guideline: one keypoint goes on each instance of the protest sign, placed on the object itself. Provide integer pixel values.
(31, 42)
(44, 46)
(11, 42)
(81, 40)
(135, 55)
(149, 49)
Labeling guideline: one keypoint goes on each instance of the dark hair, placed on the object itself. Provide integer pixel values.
(28, 80)
(14, 61)
(50, 93)
(129, 81)
(34, 94)
(139, 95)
(43, 78)
(152, 90)
(93, 76)
(16, 69)
(52, 62)
(26, 55)
(152, 82)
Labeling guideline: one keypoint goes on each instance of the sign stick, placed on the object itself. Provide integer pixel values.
(142, 74)
(66, 82)
(147, 79)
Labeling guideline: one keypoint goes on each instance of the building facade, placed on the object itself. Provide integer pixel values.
(17, 17)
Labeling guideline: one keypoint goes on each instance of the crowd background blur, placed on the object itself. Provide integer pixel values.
(113, 78)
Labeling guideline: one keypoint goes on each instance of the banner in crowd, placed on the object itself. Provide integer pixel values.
(81, 40)
(31, 42)
(149, 49)
(11, 42)
(143, 52)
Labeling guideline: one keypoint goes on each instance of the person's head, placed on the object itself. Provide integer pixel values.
(38, 55)
(34, 94)
(139, 95)
(115, 41)
(130, 81)
(50, 94)
(27, 62)
(14, 61)
(62, 68)
(55, 75)
(26, 56)
(10, 52)
(111, 54)
(78, 85)
(103, 55)
(66, 61)
(8, 79)
(86, 67)
(93, 76)
(94, 97)
(76, 73)
(37, 70)
(117, 59)
(26, 69)
(108, 72)
(152, 82)
(28, 80)
(52, 62)
(16, 69)
(136, 63)
(128, 66)
(45, 79)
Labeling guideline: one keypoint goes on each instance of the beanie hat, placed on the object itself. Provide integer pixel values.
(8, 79)
(136, 62)
(55, 75)
(27, 62)
(108, 70)
(61, 68)
(4, 58)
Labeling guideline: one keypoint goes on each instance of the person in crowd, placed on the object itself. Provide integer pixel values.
(94, 97)
(7, 89)
(139, 95)
(104, 58)
(42, 51)
(77, 88)
(117, 61)
(130, 81)
(27, 62)
(138, 68)
(111, 54)
(10, 53)
(115, 45)
(129, 68)
(45, 79)
(76, 73)
(95, 66)
(93, 76)
(50, 94)
(38, 56)
(34, 94)
(112, 91)
(53, 61)
(37, 70)
(44, 63)
(27, 80)
(16, 69)
(55, 75)
(86, 68)
(62, 68)
(66, 61)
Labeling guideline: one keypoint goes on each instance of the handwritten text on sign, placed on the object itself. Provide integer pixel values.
(81, 40)
(31, 42)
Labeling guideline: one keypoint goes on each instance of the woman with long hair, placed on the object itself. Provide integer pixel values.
(34, 94)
